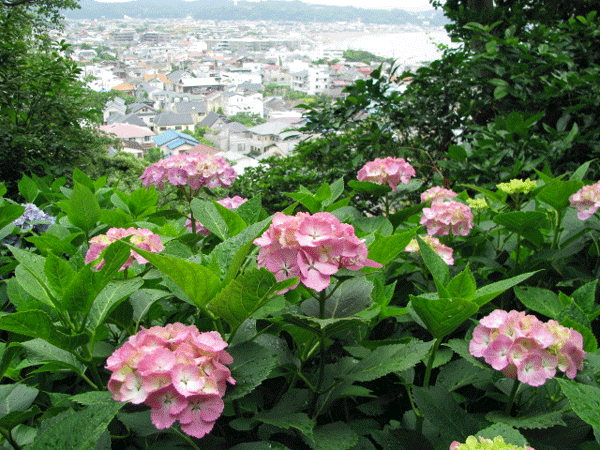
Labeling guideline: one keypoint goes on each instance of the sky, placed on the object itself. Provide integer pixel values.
(415, 5)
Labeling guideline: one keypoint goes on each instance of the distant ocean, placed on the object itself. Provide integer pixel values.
(408, 47)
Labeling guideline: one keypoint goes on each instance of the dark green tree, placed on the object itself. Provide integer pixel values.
(47, 117)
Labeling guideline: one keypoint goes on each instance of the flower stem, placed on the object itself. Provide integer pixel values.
(186, 438)
(427, 379)
(511, 398)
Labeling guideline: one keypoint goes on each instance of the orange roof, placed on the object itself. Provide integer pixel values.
(123, 87)
(161, 76)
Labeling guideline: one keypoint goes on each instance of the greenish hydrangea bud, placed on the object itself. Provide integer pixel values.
(517, 186)
(477, 203)
(480, 443)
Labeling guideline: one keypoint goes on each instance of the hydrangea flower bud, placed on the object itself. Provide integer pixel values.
(517, 186)
(481, 443)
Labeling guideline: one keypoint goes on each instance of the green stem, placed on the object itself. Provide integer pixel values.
(321, 371)
(387, 205)
(517, 252)
(511, 398)
(427, 379)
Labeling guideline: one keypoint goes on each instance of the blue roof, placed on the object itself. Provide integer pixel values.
(172, 135)
(176, 143)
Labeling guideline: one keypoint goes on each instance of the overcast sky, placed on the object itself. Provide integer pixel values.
(403, 4)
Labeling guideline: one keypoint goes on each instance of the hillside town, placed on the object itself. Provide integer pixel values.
(180, 85)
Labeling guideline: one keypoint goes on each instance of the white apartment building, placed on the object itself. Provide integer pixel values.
(312, 81)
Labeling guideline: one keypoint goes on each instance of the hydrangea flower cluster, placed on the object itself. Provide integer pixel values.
(586, 200)
(481, 443)
(444, 216)
(524, 347)
(390, 171)
(517, 186)
(194, 170)
(437, 193)
(140, 237)
(443, 251)
(227, 202)
(478, 204)
(175, 370)
(31, 217)
(311, 247)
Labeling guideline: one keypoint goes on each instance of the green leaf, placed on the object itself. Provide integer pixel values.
(83, 208)
(333, 436)
(76, 430)
(322, 327)
(351, 297)
(82, 178)
(9, 213)
(30, 275)
(109, 298)
(287, 420)
(11, 420)
(590, 344)
(443, 315)
(490, 291)
(28, 189)
(439, 408)
(557, 193)
(367, 187)
(385, 249)
(536, 420)
(16, 397)
(457, 153)
(389, 358)
(246, 294)
(585, 297)
(436, 266)
(198, 282)
(142, 202)
(40, 351)
(540, 300)
(510, 434)
(460, 373)
(250, 210)
(48, 242)
(463, 285)
(500, 92)
(252, 364)
(584, 399)
(206, 213)
(38, 324)
(520, 221)
(235, 224)
(336, 189)
(59, 274)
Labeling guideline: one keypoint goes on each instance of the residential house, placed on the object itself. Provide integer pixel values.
(260, 139)
(168, 120)
(195, 108)
(125, 88)
(234, 103)
(312, 81)
(131, 133)
(228, 137)
(130, 119)
(115, 106)
(213, 121)
(198, 85)
(144, 111)
(173, 142)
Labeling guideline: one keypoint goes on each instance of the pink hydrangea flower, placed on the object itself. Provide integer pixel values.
(194, 170)
(445, 216)
(140, 237)
(390, 171)
(443, 251)
(586, 200)
(175, 370)
(524, 347)
(310, 247)
(437, 193)
(227, 202)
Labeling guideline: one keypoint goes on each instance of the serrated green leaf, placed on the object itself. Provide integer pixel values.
(246, 294)
(351, 297)
(198, 282)
(306, 199)
(385, 249)
(520, 221)
(287, 420)
(38, 324)
(76, 430)
(16, 397)
(459, 373)
(41, 351)
(585, 297)
(83, 208)
(436, 265)
(322, 327)
(261, 445)
(142, 202)
(109, 298)
(443, 315)
(510, 434)
(439, 408)
(463, 285)
(557, 193)
(48, 241)
(389, 358)
(536, 420)
(235, 224)
(12, 419)
(28, 189)
(59, 274)
(252, 364)
(367, 187)
(584, 399)
(9, 213)
(333, 436)
(490, 291)
(206, 213)
(540, 300)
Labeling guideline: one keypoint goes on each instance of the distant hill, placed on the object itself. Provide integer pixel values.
(295, 11)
